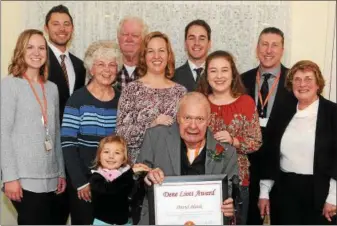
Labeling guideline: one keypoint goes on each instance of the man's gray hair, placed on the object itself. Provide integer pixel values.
(102, 49)
(134, 18)
(195, 97)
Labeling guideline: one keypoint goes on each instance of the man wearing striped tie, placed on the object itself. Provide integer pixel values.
(66, 71)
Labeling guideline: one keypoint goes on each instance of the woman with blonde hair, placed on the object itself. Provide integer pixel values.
(89, 115)
(150, 100)
(31, 156)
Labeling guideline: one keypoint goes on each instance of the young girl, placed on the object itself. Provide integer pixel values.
(112, 181)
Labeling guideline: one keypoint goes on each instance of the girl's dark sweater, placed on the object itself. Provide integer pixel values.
(110, 199)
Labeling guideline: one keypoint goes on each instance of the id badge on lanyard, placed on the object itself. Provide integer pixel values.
(264, 121)
(48, 141)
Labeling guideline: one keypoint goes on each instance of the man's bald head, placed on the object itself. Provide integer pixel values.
(193, 117)
(192, 99)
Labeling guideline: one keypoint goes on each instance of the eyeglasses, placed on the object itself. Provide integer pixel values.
(189, 119)
(103, 65)
(133, 35)
(307, 80)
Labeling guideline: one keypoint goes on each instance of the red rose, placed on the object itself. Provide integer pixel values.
(219, 149)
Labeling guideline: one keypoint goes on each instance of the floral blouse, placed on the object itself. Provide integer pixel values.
(241, 120)
(139, 106)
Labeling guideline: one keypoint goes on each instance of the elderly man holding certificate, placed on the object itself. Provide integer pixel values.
(187, 158)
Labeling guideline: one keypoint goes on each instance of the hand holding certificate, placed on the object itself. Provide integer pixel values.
(189, 200)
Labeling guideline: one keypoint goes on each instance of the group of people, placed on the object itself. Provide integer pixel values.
(86, 137)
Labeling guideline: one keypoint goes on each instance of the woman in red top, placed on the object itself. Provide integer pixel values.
(234, 117)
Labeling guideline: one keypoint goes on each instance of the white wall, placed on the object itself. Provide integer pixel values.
(312, 38)
(333, 73)
(11, 26)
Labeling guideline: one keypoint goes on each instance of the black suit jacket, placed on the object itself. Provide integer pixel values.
(282, 98)
(325, 153)
(183, 75)
(56, 75)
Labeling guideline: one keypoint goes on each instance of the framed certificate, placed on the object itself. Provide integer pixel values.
(188, 200)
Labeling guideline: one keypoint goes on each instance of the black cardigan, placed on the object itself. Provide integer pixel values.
(325, 153)
(110, 199)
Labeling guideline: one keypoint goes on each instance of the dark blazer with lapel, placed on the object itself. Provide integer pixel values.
(183, 75)
(56, 75)
(161, 148)
(325, 153)
(283, 97)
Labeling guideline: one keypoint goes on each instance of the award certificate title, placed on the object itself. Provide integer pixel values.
(189, 203)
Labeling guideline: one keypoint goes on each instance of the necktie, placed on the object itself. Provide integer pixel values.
(198, 71)
(264, 92)
(192, 154)
(64, 68)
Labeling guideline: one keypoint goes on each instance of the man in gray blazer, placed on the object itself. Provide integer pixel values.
(187, 148)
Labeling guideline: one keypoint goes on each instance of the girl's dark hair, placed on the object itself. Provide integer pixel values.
(237, 87)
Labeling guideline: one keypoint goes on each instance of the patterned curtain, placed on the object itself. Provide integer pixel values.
(235, 24)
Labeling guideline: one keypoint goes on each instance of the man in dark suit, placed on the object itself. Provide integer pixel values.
(265, 84)
(197, 45)
(65, 70)
(59, 27)
(187, 148)
(130, 34)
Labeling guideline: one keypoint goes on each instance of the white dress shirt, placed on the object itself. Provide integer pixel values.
(69, 66)
(271, 81)
(299, 133)
(130, 69)
(191, 155)
(193, 66)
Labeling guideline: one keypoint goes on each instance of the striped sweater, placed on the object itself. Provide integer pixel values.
(86, 120)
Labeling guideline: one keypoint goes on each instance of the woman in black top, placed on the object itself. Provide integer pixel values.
(302, 154)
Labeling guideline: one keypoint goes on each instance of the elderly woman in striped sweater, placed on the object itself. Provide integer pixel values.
(89, 116)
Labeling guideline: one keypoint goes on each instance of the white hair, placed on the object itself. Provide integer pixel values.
(195, 98)
(102, 49)
(133, 18)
